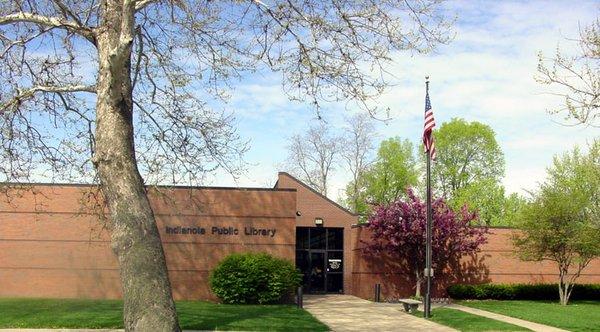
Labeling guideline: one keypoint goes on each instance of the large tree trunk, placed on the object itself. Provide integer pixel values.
(148, 301)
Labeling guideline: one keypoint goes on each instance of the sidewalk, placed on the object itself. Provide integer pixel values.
(350, 313)
(507, 319)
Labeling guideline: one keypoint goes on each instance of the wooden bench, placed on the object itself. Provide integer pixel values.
(410, 305)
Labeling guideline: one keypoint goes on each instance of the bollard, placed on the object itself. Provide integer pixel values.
(377, 292)
(299, 297)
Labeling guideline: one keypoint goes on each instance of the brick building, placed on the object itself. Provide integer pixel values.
(54, 244)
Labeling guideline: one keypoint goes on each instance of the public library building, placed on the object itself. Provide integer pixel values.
(52, 245)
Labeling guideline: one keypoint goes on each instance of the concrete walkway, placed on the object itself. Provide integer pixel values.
(350, 313)
(515, 321)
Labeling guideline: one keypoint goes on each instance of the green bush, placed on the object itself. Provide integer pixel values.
(254, 278)
(548, 292)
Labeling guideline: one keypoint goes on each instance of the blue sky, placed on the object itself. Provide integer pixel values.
(486, 74)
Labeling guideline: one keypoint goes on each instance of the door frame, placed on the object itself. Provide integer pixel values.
(325, 253)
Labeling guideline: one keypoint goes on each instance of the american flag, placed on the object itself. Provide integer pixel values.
(428, 128)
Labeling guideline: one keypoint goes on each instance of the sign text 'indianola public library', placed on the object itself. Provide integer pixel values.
(214, 230)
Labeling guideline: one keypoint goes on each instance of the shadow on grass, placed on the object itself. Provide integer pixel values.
(210, 316)
(63, 313)
(193, 315)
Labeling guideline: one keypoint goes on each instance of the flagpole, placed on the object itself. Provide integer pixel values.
(427, 304)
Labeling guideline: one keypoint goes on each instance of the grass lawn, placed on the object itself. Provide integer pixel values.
(464, 321)
(193, 315)
(577, 316)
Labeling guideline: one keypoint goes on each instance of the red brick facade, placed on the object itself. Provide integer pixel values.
(53, 245)
(312, 205)
(496, 263)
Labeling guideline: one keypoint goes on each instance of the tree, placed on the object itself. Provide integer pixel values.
(357, 145)
(153, 67)
(488, 199)
(467, 152)
(512, 206)
(398, 229)
(559, 225)
(387, 179)
(576, 78)
(312, 156)
(485, 197)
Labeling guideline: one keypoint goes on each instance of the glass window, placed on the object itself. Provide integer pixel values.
(317, 238)
(317, 274)
(301, 237)
(335, 283)
(335, 238)
(303, 264)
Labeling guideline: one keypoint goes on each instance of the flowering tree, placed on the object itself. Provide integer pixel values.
(398, 229)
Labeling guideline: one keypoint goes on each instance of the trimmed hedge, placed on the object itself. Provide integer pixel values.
(254, 278)
(548, 292)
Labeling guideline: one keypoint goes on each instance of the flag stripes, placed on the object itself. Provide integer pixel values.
(428, 128)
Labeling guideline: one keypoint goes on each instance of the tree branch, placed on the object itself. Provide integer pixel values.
(26, 94)
(141, 4)
(23, 17)
(67, 12)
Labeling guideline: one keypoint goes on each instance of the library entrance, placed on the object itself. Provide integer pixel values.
(320, 258)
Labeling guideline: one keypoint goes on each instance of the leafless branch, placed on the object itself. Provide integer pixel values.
(576, 78)
(23, 17)
(23, 95)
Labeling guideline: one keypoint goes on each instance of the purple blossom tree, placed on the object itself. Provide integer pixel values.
(398, 230)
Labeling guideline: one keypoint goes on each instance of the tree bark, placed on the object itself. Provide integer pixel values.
(563, 286)
(148, 301)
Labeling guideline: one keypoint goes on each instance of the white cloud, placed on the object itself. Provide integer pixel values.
(486, 74)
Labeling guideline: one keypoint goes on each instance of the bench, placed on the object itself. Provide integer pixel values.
(410, 305)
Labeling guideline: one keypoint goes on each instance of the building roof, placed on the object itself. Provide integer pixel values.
(149, 186)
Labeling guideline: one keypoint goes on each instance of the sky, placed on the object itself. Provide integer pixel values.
(485, 74)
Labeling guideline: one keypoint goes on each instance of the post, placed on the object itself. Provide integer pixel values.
(299, 298)
(377, 292)
(427, 304)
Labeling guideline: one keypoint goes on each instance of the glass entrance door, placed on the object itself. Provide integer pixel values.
(319, 256)
(316, 283)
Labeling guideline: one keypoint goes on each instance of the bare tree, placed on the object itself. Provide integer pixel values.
(576, 78)
(312, 156)
(358, 146)
(108, 90)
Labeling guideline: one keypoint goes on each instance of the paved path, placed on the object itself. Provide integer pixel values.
(524, 323)
(350, 313)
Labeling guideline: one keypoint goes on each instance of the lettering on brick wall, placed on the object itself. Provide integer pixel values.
(224, 231)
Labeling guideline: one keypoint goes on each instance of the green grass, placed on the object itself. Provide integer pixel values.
(464, 321)
(577, 316)
(193, 315)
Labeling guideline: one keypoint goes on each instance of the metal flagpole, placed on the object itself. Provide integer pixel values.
(427, 309)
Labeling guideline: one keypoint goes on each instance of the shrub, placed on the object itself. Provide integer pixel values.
(521, 292)
(254, 278)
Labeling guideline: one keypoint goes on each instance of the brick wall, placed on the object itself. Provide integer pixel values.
(312, 205)
(51, 245)
(496, 263)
